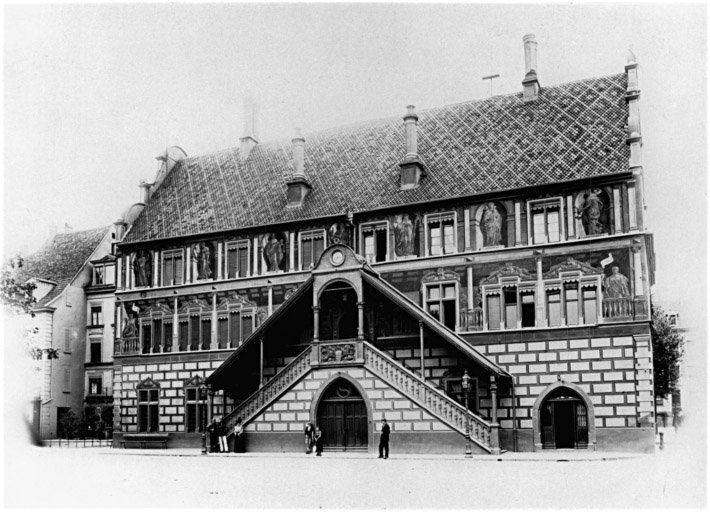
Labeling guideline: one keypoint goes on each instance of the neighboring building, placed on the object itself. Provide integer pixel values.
(63, 274)
(364, 272)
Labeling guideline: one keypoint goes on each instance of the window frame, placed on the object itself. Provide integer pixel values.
(426, 301)
(153, 406)
(236, 245)
(198, 403)
(546, 204)
(172, 253)
(310, 234)
(99, 317)
(92, 343)
(372, 226)
(94, 378)
(440, 216)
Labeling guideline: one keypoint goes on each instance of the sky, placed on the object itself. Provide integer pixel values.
(92, 94)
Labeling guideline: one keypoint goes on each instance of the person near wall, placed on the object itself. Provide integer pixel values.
(309, 431)
(384, 440)
(214, 436)
(222, 431)
(238, 432)
(318, 438)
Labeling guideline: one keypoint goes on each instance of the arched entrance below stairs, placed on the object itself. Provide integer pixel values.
(563, 417)
(342, 417)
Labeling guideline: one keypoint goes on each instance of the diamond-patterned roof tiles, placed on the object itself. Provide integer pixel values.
(572, 131)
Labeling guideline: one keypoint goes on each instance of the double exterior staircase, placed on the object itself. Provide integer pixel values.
(411, 385)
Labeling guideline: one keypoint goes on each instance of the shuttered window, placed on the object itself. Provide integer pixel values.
(238, 259)
(184, 336)
(312, 244)
(172, 267)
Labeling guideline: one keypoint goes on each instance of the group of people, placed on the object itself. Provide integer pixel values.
(314, 439)
(218, 436)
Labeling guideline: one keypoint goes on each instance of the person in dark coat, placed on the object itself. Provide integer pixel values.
(214, 436)
(318, 438)
(238, 437)
(385, 440)
(222, 432)
(309, 431)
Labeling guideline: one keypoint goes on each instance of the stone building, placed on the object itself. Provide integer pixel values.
(362, 272)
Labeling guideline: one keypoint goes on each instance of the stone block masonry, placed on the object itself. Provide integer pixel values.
(593, 364)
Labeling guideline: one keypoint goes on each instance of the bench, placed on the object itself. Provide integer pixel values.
(145, 440)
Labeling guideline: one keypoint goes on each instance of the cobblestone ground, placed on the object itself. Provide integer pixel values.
(60, 477)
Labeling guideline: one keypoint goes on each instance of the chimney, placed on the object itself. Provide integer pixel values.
(120, 228)
(298, 185)
(145, 193)
(411, 168)
(531, 86)
(249, 139)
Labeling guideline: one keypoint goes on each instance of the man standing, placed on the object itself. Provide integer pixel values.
(309, 431)
(214, 435)
(385, 440)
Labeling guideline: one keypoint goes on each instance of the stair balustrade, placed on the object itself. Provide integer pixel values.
(429, 397)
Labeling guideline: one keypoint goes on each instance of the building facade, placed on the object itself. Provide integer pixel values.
(372, 271)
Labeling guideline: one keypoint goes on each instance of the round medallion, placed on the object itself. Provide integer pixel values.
(337, 258)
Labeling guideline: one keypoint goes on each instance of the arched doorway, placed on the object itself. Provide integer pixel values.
(342, 417)
(338, 312)
(564, 420)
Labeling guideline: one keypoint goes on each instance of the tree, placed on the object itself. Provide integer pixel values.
(18, 299)
(668, 349)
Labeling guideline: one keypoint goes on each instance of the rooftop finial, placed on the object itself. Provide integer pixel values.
(631, 56)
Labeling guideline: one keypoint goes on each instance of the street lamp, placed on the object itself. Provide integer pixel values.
(203, 398)
(465, 383)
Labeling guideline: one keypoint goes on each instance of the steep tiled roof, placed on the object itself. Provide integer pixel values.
(572, 131)
(60, 258)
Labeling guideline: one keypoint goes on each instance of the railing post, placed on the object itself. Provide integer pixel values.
(360, 320)
(316, 311)
(495, 441)
(421, 348)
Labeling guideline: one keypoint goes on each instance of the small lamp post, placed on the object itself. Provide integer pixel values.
(465, 383)
(203, 398)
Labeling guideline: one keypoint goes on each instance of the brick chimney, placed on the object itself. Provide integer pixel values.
(531, 86)
(634, 139)
(298, 184)
(249, 139)
(411, 168)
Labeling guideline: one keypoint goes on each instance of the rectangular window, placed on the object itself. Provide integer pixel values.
(167, 336)
(194, 333)
(374, 242)
(312, 244)
(147, 338)
(441, 303)
(571, 306)
(246, 328)
(441, 230)
(235, 329)
(237, 259)
(184, 335)
(206, 333)
(172, 267)
(222, 332)
(195, 411)
(510, 299)
(99, 271)
(589, 298)
(95, 351)
(148, 407)
(527, 309)
(546, 218)
(493, 311)
(157, 335)
(554, 311)
(95, 384)
(96, 315)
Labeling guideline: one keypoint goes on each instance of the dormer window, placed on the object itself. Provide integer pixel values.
(104, 272)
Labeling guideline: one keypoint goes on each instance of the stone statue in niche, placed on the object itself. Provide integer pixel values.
(130, 329)
(403, 235)
(203, 257)
(142, 268)
(591, 211)
(273, 253)
(491, 224)
(616, 285)
(339, 233)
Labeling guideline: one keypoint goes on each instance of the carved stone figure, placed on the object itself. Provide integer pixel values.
(591, 212)
(130, 329)
(403, 235)
(339, 233)
(142, 268)
(616, 285)
(491, 223)
(203, 257)
(274, 253)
